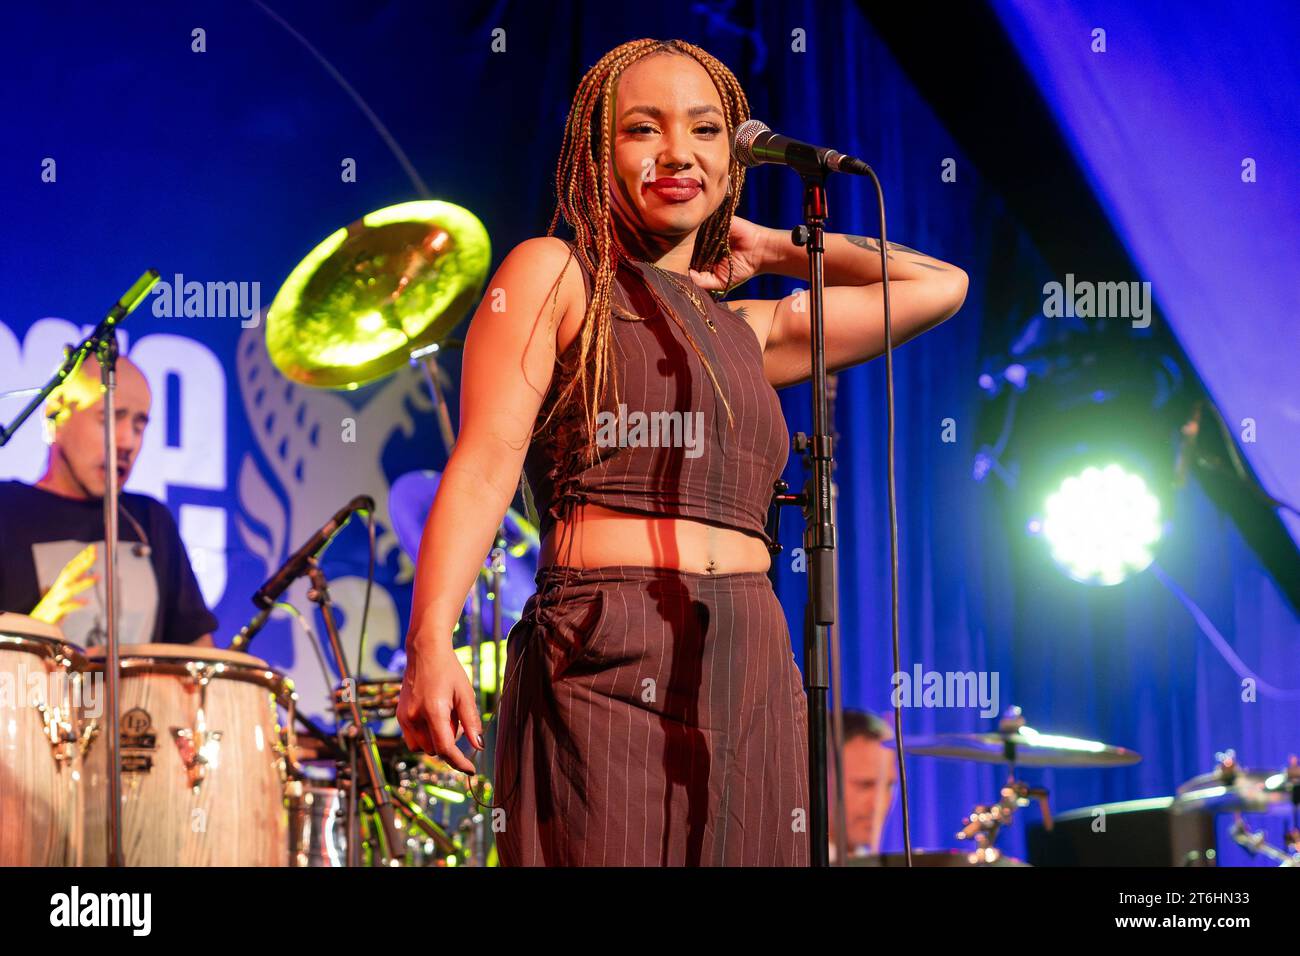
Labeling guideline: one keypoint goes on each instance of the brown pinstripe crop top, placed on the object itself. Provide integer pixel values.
(667, 450)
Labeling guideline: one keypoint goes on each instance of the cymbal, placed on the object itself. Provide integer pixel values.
(396, 280)
(1233, 789)
(1024, 747)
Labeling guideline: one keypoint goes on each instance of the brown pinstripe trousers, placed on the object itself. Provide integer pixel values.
(651, 717)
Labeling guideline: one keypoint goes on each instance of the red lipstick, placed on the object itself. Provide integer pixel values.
(674, 190)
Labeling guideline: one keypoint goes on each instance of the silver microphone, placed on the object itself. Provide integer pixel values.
(755, 143)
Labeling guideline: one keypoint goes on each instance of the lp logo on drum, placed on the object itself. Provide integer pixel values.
(137, 736)
(135, 722)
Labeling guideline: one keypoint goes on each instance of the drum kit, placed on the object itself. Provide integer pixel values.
(1194, 809)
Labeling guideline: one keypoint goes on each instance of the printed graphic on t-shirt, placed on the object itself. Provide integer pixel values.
(138, 593)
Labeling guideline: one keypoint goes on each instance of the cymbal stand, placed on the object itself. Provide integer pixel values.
(418, 824)
(986, 822)
(434, 377)
(1255, 842)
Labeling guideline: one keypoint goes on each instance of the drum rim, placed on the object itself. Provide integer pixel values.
(24, 625)
(47, 647)
(172, 659)
(213, 655)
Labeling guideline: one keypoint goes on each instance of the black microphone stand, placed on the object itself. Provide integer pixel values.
(815, 502)
(819, 519)
(817, 498)
(106, 352)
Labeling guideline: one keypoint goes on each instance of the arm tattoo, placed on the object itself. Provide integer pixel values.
(740, 311)
(871, 245)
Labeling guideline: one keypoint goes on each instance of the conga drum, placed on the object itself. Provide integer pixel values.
(40, 758)
(203, 763)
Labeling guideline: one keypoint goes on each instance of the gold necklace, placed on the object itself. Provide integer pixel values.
(695, 299)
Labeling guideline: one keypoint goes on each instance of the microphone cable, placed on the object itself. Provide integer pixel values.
(893, 511)
(142, 548)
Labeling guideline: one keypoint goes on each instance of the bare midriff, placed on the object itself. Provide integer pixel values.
(594, 537)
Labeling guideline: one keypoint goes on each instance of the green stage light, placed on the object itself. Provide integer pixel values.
(1101, 525)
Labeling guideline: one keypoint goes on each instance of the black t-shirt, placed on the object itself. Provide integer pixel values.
(160, 598)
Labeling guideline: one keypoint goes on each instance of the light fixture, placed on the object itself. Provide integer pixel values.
(1101, 524)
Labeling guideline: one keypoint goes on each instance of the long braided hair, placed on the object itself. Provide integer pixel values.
(583, 197)
(582, 191)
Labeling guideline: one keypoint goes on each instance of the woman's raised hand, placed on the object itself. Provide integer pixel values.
(748, 251)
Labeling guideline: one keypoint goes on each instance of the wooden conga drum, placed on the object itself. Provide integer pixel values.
(40, 758)
(203, 764)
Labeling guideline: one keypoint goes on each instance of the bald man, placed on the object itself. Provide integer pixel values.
(52, 533)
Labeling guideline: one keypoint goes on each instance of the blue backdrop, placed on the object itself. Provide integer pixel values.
(225, 165)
